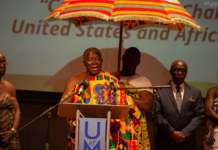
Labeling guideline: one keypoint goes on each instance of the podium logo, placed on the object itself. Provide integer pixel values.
(92, 134)
(86, 146)
(93, 139)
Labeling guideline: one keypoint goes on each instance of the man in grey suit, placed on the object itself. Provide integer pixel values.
(177, 112)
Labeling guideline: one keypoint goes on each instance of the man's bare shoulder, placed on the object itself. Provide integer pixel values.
(113, 73)
(213, 90)
(75, 79)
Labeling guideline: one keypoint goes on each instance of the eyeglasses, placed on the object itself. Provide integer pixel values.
(4, 64)
(177, 70)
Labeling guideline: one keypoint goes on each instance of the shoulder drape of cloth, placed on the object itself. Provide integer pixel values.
(122, 133)
(7, 112)
(142, 130)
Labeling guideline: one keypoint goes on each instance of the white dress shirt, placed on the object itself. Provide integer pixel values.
(175, 90)
(137, 81)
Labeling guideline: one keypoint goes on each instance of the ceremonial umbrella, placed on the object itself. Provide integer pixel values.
(130, 14)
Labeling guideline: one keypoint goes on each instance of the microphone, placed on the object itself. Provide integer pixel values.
(82, 86)
(113, 88)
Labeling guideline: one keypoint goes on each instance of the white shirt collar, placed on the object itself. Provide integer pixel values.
(175, 90)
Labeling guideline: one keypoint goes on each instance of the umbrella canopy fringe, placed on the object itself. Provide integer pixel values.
(187, 23)
(52, 17)
(84, 14)
(141, 17)
(173, 1)
(157, 26)
(101, 22)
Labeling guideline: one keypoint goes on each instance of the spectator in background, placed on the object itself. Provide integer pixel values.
(178, 112)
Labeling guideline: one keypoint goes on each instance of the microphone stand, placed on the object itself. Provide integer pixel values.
(155, 94)
(47, 140)
(45, 112)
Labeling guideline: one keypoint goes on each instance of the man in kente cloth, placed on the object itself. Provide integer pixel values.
(122, 132)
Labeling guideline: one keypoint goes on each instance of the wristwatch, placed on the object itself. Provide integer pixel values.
(13, 130)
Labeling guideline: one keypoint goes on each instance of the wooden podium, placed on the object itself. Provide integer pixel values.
(73, 110)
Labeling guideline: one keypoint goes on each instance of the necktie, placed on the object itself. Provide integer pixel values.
(178, 97)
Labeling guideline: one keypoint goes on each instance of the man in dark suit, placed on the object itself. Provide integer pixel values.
(178, 112)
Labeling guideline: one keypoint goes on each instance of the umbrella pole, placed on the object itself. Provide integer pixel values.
(119, 52)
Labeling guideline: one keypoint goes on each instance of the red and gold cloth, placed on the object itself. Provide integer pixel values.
(122, 133)
(7, 113)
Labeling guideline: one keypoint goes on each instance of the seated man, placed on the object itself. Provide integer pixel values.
(99, 92)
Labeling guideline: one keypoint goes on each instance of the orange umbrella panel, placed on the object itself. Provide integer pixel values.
(82, 12)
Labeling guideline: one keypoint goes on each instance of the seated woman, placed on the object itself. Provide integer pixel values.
(9, 111)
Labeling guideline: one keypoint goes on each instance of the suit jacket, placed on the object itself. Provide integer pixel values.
(168, 119)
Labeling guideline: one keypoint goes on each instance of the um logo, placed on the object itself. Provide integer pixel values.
(92, 134)
(91, 143)
(86, 146)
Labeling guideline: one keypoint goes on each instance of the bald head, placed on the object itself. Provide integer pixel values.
(2, 56)
(92, 49)
(179, 62)
(3, 65)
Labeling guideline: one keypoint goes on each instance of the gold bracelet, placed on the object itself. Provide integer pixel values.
(13, 130)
